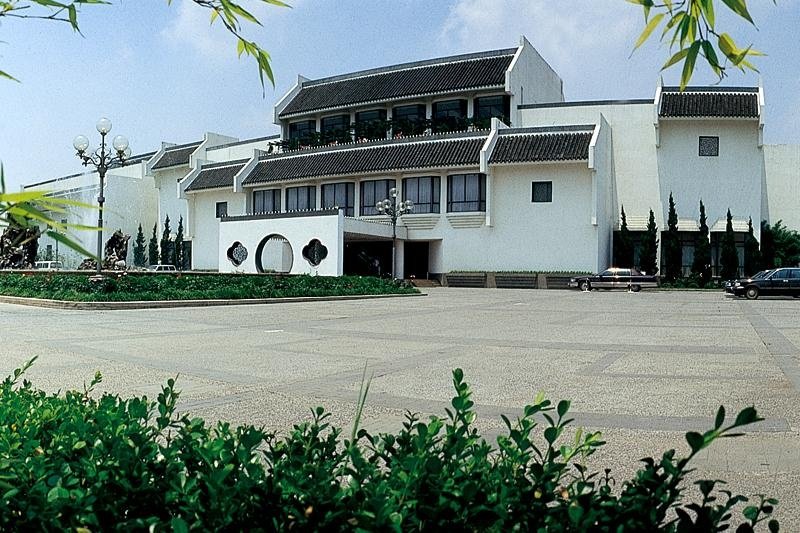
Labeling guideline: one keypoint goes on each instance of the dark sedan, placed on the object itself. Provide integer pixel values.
(615, 278)
(778, 282)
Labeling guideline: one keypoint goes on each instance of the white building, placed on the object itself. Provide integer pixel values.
(504, 174)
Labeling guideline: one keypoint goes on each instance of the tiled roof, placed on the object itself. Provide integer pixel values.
(436, 151)
(522, 145)
(217, 175)
(176, 155)
(727, 102)
(443, 75)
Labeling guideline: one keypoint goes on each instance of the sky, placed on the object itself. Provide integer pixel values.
(163, 73)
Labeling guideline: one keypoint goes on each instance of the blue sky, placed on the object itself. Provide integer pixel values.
(162, 73)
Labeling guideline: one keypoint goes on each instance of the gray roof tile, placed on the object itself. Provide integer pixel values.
(216, 176)
(447, 74)
(438, 151)
(514, 147)
(733, 102)
(176, 155)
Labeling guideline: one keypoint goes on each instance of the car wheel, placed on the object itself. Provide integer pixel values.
(636, 288)
(584, 286)
(751, 293)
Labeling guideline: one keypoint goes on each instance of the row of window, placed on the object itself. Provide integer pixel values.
(465, 193)
(446, 115)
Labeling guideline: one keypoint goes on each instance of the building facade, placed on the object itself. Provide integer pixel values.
(503, 173)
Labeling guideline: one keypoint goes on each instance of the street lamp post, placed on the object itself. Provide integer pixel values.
(102, 160)
(395, 209)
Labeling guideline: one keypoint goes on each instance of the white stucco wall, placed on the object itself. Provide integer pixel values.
(531, 80)
(204, 226)
(166, 182)
(328, 229)
(731, 180)
(243, 150)
(601, 163)
(782, 192)
(633, 141)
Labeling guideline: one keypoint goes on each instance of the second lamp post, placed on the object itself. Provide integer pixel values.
(102, 160)
(395, 209)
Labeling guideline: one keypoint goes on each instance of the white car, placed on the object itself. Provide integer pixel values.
(162, 268)
(48, 265)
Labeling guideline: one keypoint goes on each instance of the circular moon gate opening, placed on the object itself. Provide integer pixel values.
(274, 254)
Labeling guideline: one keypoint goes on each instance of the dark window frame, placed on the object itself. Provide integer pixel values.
(479, 105)
(221, 209)
(305, 133)
(293, 196)
(349, 196)
(415, 184)
(548, 192)
(371, 128)
(472, 182)
(260, 197)
(714, 151)
(367, 208)
(449, 119)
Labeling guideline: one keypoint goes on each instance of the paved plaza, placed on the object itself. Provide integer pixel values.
(642, 368)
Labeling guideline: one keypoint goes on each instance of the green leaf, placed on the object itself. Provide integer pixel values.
(740, 8)
(648, 30)
(688, 65)
(695, 440)
(748, 415)
(720, 417)
(675, 58)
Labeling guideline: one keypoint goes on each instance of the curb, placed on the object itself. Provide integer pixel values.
(166, 304)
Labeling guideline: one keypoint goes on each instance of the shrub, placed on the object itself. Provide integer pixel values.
(82, 463)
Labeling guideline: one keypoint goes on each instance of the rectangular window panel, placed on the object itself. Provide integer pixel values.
(302, 131)
(466, 193)
(488, 107)
(301, 198)
(542, 191)
(449, 115)
(222, 209)
(408, 120)
(371, 124)
(336, 129)
(372, 192)
(268, 201)
(424, 192)
(709, 146)
(339, 195)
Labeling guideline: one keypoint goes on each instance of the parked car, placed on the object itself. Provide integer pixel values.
(615, 278)
(162, 268)
(777, 282)
(730, 283)
(48, 265)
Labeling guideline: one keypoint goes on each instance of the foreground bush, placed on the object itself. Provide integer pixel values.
(133, 287)
(77, 463)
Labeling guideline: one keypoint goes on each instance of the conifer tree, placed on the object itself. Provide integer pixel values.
(648, 256)
(728, 258)
(152, 247)
(767, 246)
(701, 265)
(138, 249)
(671, 247)
(179, 254)
(623, 249)
(752, 255)
(166, 245)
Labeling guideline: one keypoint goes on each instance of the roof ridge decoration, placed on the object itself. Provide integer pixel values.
(709, 104)
(221, 164)
(215, 177)
(181, 146)
(544, 130)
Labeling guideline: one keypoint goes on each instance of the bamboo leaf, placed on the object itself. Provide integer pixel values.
(648, 30)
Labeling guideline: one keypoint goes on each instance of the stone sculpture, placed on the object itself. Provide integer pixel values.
(18, 246)
(115, 255)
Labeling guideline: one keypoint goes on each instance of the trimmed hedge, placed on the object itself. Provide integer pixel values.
(79, 463)
(121, 287)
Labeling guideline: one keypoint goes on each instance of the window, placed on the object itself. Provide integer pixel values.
(372, 192)
(268, 201)
(424, 192)
(542, 191)
(222, 209)
(466, 192)
(371, 124)
(408, 119)
(708, 146)
(302, 131)
(336, 128)
(301, 198)
(487, 107)
(341, 195)
(449, 115)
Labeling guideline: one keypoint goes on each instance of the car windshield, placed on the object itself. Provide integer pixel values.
(761, 274)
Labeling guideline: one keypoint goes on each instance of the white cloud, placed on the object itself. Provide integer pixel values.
(192, 26)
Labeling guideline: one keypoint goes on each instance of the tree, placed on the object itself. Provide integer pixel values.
(138, 249)
(786, 245)
(166, 244)
(690, 25)
(648, 256)
(701, 265)
(671, 247)
(728, 257)
(623, 249)
(179, 254)
(229, 12)
(767, 246)
(752, 256)
(152, 248)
